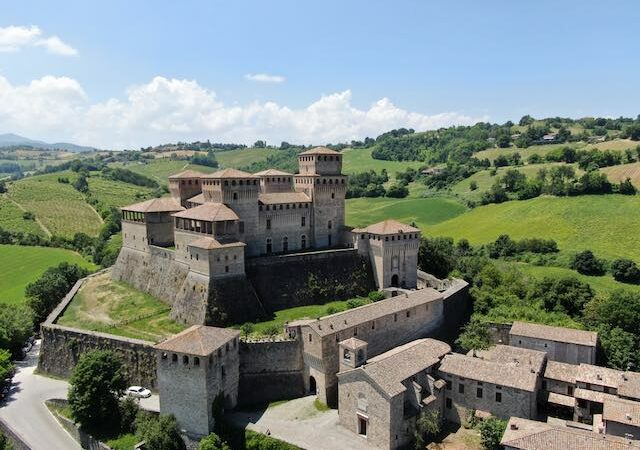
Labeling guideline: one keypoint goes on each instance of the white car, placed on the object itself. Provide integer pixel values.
(138, 392)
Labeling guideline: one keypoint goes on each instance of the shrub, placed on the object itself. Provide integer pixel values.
(376, 296)
(625, 270)
(473, 185)
(491, 431)
(587, 264)
(213, 442)
(160, 433)
(28, 215)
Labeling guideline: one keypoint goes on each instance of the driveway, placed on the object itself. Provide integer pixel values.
(300, 423)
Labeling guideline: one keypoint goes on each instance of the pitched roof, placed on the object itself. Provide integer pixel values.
(199, 199)
(510, 375)
(389, 226)
(229, 173)
(526, 434)
(198, 340)
(343, 320)
(560, 371)
(521, 357)
(211, 212)
(601, 376)
(557, 334)
(162, 204)
(320, 151)
(622, 411)
(209, 243)
(390, 369)
(563, 400)
(283, 197)
(186, 174)
(353, 343)
(272, 172)
(630, 385)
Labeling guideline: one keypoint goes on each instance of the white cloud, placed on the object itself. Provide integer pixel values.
(15, 38)
(265, 78)
(168, 110)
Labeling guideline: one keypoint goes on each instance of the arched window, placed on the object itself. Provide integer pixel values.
(329, 225)
(233, 182)
(185, 359)
(303, 242)
(269, 246)
(235, 196)
(285, 244)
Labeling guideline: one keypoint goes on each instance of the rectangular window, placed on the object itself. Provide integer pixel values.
(498, 397)
(460, 388)
(268, 224)
(448, 403)
(569, 390)
(302, 221)
(241, 227)
(448, 385)
(310, 338)
(479, 392)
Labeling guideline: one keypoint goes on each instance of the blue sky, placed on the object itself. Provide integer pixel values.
(431, 63)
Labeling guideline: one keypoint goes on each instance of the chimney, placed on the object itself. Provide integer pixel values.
(514, 426)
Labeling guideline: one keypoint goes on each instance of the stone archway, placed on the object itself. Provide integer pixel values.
(394, 281)
(312, 385)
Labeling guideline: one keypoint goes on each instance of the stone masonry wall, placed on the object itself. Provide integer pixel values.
(270, 371)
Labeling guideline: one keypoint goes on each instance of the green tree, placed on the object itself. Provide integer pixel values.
(213, 442)
(621, 348)
(475, 336)
(95, 386)
(587, 264)
(626, 187)
(568, 295)
(436, 256)
(16, 325)
(621, 309)
(81, 184)
(160, 433)
(473, 185)
(260, 144)
(491, 431)
(6, 368)
(3, 187)
(625, 270)
(5, 443)
(246, 329)
(272, 331)
(426, 428)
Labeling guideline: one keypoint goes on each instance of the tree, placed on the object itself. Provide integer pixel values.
(436, 256)
(491, 431)
(6, 368)
(625, 270)
(621, 348)
(475, 336)
(213, 442)
(426, 428)
(246, 329)
(587, 264)
(81, 184)
(272, 331)
(568, 295)
(502, 247)
(397, 191)
(260, 144)
(5, 443)
(16, 325)
(626, 187)
(159, 434)
(473, 185)
(95, 386)
(3, 187)
(526, 120)
(621, 309)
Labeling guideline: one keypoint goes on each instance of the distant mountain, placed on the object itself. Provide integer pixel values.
(10, 139)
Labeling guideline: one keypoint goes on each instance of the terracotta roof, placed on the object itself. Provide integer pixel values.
(187, 174)
(343, 320)
(211, 212)
(387, 227)
(320, 151)
(563, 400)
(557, 334)
(526, 434)
(478, 369)
(390, 369)
(162, 204)
(199, 199)
(353, 343)
(630, 385)
(198, 340)
(622, 411)
(560, 371)
(283, 197)
(520, 357)
(272, 172)
(209, 243)
(592, 396)
(601, 376)
(229, 173)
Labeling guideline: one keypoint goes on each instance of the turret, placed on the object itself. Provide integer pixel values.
(185, 185)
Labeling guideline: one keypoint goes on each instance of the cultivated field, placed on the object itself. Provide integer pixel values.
(357, 160)
(11, 218)
(22, 265)
(116, 193)
(244, 157)
(117, 308)
(622, 172)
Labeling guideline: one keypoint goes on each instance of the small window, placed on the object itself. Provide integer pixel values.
(196, 361)
(448, 385)
(310, 337)
(408, 313)
(268, 224)
(498, 397)
(174, 357)
(185, 359)
(448, 403)
(479, 392)
(222, 371)
(164, 355)
(460, 388)
(395, 317)
(226, 269)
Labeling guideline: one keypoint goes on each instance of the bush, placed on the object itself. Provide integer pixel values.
(213, 442)
(160, 433)
(587, 264)
(491, 431)
(436, 256)
(28, 215)
(397, 191)
(473, 185)
(16, 325)
(625, 270)
(376, 296)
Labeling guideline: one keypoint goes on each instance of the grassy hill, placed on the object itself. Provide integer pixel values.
(160, 169)
(357, 160)
(244, 157)
(22, 265)
(116, 193)
(606, 224)
(11, 218)
(622, 172)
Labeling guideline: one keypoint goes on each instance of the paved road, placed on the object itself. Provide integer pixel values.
(25, 412)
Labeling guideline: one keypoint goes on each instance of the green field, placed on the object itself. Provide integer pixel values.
(116, 193)
(11, 218)
(23, 265)
(357, 160)
(244, 157)
(117, 308)
(606, 224)
(60, 208)
(160, 169)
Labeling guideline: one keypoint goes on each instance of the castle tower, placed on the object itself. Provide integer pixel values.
(239, 191)
(320, 177)
(353, 353)
(392, 247)
(185, 185)
(274, 181)
(149, 223)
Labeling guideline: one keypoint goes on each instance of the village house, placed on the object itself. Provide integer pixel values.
(621, 418)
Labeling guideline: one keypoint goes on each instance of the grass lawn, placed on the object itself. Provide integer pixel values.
(23, 265)
(11, 218)
(357, 160)
(124, 442)
(605, 224)
(60, 208)
(117, 308)
(244, 156)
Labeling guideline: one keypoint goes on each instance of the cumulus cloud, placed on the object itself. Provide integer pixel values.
(167, 110)
(15, 38)
(265, 78)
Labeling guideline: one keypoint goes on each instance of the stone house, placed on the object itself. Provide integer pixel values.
(561, 344)
(622, 418)
(380, 398)
(195, 368)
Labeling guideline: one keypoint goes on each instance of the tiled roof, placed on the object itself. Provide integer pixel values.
(592, 396)
(390, 369)
(601, 376)
(630, 385)
(187, 174)
(283, 197)
(520, 357)
(557, 334)
(272, 173)
(320, 151)
(353, 343)
(559, 399)
(211, 212)
(341, 321)
(561, 371)
(229, 173)
(162, 204)
(209, 243)
(199, 199)
(387, 227)
(510, 375)
(526, 434)
(198, 340)
(622, 411)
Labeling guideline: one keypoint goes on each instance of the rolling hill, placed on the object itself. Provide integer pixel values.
(10, 139)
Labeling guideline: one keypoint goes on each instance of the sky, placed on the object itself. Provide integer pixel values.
(125, 74)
